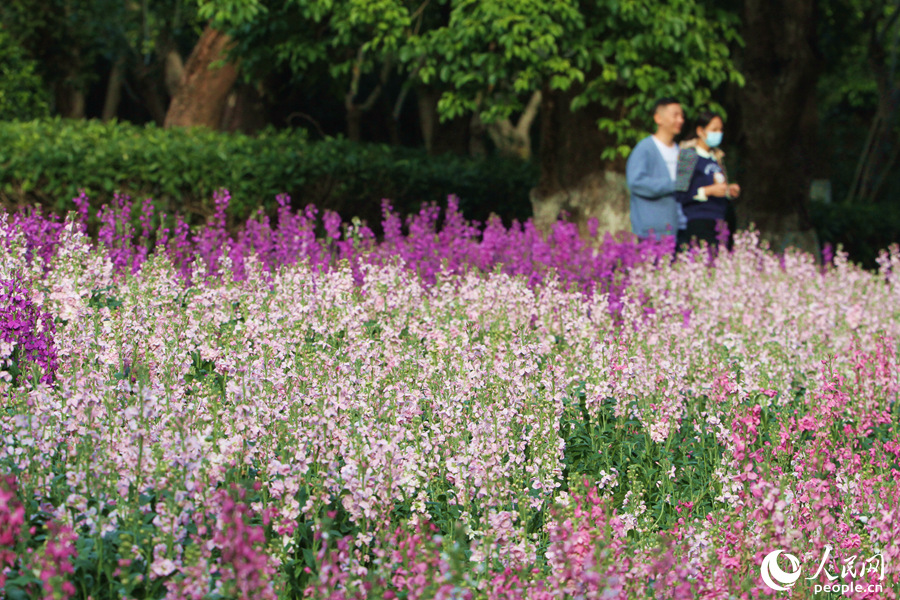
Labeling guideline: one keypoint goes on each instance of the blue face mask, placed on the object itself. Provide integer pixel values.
(713, 139)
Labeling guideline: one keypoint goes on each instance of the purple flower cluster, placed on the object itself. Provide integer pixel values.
(26, 333)
(41, 233)
(428, 243)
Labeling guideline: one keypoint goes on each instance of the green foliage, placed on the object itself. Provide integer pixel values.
(22, 93)
(679, 470)
(501, 50)
(626, 54)
(856, 37)
(229, 13)
(346, 39)
(646, 49)
(48, 161)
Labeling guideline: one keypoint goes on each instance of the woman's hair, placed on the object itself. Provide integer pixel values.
(704, 119)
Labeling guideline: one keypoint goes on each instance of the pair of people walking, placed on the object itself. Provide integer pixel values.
(680, 190)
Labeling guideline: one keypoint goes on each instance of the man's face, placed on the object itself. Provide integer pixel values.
(669, 119)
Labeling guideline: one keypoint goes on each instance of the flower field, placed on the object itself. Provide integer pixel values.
(301, 410)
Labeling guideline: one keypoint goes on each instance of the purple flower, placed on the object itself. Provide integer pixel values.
(27, 330)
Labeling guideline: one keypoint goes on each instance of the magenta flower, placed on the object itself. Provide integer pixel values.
(26, 333)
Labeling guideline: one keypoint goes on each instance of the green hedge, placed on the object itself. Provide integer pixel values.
(47, 161)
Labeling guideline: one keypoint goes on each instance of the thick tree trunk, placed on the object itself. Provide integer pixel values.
(173, 72)
(573, 178)
(204, 88)
(780, 70)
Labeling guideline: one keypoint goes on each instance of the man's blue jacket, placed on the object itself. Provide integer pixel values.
(653, 205)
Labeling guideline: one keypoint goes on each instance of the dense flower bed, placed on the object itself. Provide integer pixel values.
(446, 413)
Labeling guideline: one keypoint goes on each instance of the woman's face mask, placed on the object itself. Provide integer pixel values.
(713, 139)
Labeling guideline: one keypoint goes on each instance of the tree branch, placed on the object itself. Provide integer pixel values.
(889, 23)
(354, 79)
(531, 111)
(382, 80)
(303, 115)
(400, 99)
(419, 13)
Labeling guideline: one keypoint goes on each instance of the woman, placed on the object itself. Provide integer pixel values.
(701, 184)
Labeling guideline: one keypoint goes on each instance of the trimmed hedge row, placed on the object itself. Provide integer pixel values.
(47, 161)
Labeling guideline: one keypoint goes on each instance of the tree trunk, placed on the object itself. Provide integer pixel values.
(354, 123)
(174, 71)
(356, 111)
(203, 90)
(114, 90)
(515, 140)
(880, 152)
(152, 94)
(70, 100)
(451, 136)
(477, 132)
(244, 110)
(572, 176)
(427, 102)
(780, 69)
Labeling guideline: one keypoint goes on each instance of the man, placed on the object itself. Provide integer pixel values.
(650, 173)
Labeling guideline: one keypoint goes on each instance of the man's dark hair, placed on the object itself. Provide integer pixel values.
(663, 102)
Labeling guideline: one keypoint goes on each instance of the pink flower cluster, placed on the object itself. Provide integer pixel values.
(52, 562)
(240, 567)
(12, 517)
(55, 563)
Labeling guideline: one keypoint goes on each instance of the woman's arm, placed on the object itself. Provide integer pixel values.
(689, 186)
(684, 173)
